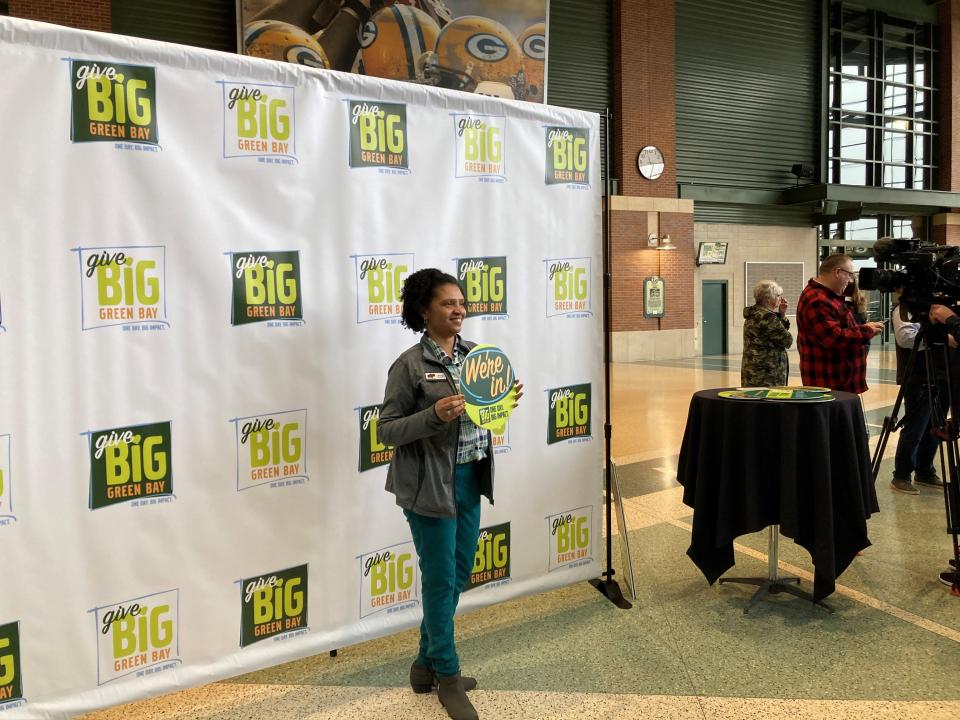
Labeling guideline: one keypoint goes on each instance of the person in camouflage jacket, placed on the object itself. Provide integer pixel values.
(766, 337)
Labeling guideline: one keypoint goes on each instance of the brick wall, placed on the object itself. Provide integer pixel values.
(645, 114)
(632, 261)
(83, 14)
(677, 270)
(644, 97)
(948, 176)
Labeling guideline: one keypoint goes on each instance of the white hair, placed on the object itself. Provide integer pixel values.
(765, 291)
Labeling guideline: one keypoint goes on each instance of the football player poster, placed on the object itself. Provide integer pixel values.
(492, 47)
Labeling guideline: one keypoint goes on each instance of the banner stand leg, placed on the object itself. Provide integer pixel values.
(605, 584)
(610, 589)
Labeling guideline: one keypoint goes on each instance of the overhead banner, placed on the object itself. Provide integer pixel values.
(490, 47)
(201, 257)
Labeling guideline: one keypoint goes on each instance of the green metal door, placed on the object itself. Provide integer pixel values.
(714, 322)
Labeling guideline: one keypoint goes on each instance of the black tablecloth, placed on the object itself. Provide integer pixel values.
(747, 464)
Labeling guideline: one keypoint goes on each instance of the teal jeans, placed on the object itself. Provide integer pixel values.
(447, 547)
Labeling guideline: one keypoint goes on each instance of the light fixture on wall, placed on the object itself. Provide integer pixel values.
(660, 243)
(805, 171)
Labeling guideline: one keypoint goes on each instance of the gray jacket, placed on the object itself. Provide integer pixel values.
(423, 468)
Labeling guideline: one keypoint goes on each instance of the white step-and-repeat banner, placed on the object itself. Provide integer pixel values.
(200, 259)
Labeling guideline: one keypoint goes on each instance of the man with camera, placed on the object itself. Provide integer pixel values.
(917, 446)
(947, 317)
(831, 342)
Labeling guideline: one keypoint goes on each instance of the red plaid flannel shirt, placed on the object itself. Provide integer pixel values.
(832, 345)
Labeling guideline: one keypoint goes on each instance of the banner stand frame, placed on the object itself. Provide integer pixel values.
(605, 584)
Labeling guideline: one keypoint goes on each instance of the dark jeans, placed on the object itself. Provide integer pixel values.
(916, 448)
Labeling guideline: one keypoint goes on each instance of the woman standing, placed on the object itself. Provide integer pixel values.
(766, 337)
(442, 464)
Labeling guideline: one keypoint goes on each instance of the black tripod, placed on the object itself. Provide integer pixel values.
(945, 430)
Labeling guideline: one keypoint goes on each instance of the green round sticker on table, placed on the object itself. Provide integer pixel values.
(486, 381)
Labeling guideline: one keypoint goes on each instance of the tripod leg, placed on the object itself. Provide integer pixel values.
(947, 431)
(890, 421)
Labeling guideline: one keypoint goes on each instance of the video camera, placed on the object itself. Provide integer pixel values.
(929, 273)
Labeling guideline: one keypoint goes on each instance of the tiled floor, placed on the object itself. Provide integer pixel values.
(685, 650)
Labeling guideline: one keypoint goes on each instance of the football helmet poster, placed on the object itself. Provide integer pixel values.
(490, 47)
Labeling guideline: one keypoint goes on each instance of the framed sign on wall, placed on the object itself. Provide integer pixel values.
(653, 294)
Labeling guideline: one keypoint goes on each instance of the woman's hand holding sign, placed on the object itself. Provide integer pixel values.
(449, 408)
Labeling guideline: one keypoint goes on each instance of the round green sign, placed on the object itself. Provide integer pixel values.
(486, 381)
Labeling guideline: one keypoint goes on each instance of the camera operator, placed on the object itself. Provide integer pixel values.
(831, 342)
(917, 445)
(946, 316)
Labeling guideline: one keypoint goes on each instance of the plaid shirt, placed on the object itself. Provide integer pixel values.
(832, 345)
(472, 443)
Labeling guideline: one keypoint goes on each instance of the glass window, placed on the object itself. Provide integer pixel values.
(921, 103)
(853, 143)
(882, 102)
(901, 227)
(895, 147)
(853, 173)
(921, 68)
(854, 94)
(856, 56)
(899, 33)
(855, 19)
(921, 149)
(896, 63)
(895, 99)
(894, 176)
(864, 229)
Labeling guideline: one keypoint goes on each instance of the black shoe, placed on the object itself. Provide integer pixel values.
(953, 563)
(949, 578)
(423, 680)
(454, 698)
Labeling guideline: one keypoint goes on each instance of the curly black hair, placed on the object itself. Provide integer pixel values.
(417, 293)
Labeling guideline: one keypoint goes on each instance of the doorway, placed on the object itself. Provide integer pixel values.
(713, 325)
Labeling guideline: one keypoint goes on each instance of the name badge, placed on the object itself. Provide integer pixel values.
(435, 376)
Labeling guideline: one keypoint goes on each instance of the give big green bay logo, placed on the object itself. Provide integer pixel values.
(271, 448)
(568, 539)
(492, 561)
(113, 102)
(130, 464)
(258, 121)
(501, 439)
(266, 287)
(6, 483)
(123, 286)
(378, 135)
(11, 682)
(568, 287)
(273, 605)
(480, 141)
(388, 579)
(379, 282)
(569, 413)
(483, 281)
(373, 453)
(138, 637)
(568, 156)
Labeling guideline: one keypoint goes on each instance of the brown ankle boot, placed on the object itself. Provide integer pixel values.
(423, 680)
(454, 698)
